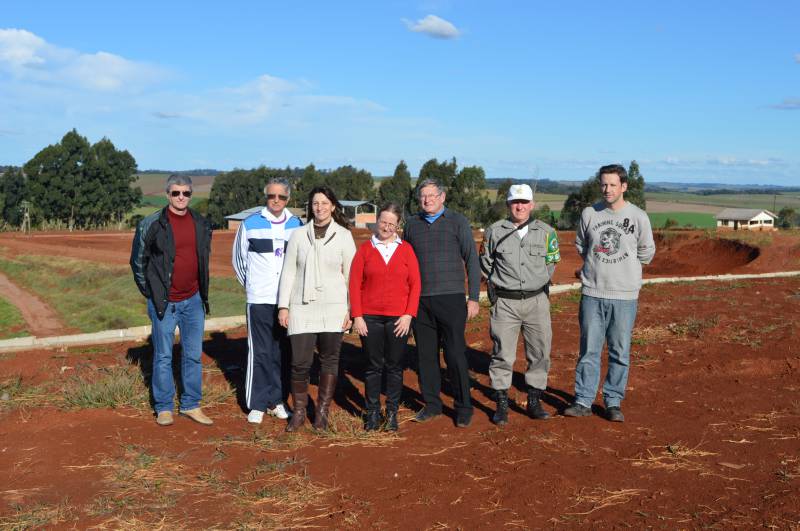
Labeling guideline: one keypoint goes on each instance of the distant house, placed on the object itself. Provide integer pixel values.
(234, 220)
(360, 213)
(746, 219)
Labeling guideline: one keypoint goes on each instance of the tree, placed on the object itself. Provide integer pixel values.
(444, 171)
(466, 194)
(12, 193)
(635, 191)
(235, 191)
(787, 218)
(586, 195)
(82, 185)
(351, 183)
(117, 170)
(309, 179)
(498, 209)
(396, 188)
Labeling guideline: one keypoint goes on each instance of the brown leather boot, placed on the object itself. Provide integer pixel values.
(327, 386)
(299, 405)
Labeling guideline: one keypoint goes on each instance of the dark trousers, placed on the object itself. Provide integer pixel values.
(328, 345)
(384, 350)
(262, 381)
(442, 317)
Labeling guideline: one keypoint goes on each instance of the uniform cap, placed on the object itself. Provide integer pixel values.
(519, 192)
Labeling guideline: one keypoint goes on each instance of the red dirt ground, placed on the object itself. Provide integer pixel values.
(679, 253)
(711, 438)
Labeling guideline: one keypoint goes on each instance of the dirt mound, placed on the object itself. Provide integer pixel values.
(694, 254)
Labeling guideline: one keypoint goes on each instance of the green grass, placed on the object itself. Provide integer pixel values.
(759, 201)
(11, 322)
(684, 219)
(90, 297)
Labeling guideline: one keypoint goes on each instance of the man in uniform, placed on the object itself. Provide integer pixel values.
(519, 257)
(614, 239)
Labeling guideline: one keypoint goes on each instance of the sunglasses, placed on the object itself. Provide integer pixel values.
(176, 193)
(278, 196)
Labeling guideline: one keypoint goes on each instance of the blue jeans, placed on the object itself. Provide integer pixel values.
(189, 316)
(601, 321)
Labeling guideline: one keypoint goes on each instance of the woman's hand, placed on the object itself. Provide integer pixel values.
(360, 326)
(402, 325)
(347, 323)
(283, 317)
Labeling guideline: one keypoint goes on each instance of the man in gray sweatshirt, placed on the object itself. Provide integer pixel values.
(615, 239)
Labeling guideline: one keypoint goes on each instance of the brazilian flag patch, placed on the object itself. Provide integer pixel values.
(553, 254)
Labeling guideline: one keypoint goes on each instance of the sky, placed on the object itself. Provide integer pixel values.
(693, 91)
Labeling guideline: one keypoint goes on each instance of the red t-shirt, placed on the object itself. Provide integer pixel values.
(184, 271)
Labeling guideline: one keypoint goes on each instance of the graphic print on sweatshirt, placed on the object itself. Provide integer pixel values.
(609, 250)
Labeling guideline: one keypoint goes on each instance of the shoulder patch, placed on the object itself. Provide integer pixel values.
(553, 252)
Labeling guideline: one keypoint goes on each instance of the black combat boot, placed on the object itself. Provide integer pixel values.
(500, 416)
(535, 409)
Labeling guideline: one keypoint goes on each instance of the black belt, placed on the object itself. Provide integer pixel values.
(519, 295)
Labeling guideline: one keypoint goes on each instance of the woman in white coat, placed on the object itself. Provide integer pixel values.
(313, 302)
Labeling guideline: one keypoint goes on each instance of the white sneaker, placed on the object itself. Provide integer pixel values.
(255, 416)
(279, 411)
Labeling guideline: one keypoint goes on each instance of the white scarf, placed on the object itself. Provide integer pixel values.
(312, 276)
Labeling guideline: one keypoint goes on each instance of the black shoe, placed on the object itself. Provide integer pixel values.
(534, 408)
(614, 414)
(391, 420)
(372, 420)
(425, 414)
(500, 416)
(463, 419)
(578, 410)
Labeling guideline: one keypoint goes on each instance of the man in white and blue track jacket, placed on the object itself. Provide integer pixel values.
(258, 252)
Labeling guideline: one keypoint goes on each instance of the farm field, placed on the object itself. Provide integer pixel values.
(766, 201)
(710, 438)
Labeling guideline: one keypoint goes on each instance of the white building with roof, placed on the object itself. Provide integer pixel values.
(746, 219)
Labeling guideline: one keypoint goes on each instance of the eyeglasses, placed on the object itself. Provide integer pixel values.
(390, 226)
(425, 197)
(278, 196)
(185, 193)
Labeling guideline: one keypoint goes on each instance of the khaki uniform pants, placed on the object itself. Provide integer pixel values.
(508, 316)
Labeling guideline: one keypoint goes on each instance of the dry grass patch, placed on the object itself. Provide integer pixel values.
(674, 457)
(16, 394)
(600, 497)
(36, 516)
(650, 334)
(693, 327)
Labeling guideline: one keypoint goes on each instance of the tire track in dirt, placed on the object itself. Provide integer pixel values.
(41, 319)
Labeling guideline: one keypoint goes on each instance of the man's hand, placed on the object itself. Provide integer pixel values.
(360, 326)
(472, 309)
(283, 317)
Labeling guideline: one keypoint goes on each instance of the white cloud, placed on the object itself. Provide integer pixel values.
(266, 99)
(789, 104)
(797, 58)
(434, 26)
(29, 58)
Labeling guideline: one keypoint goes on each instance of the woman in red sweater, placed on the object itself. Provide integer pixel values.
(384, 296)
